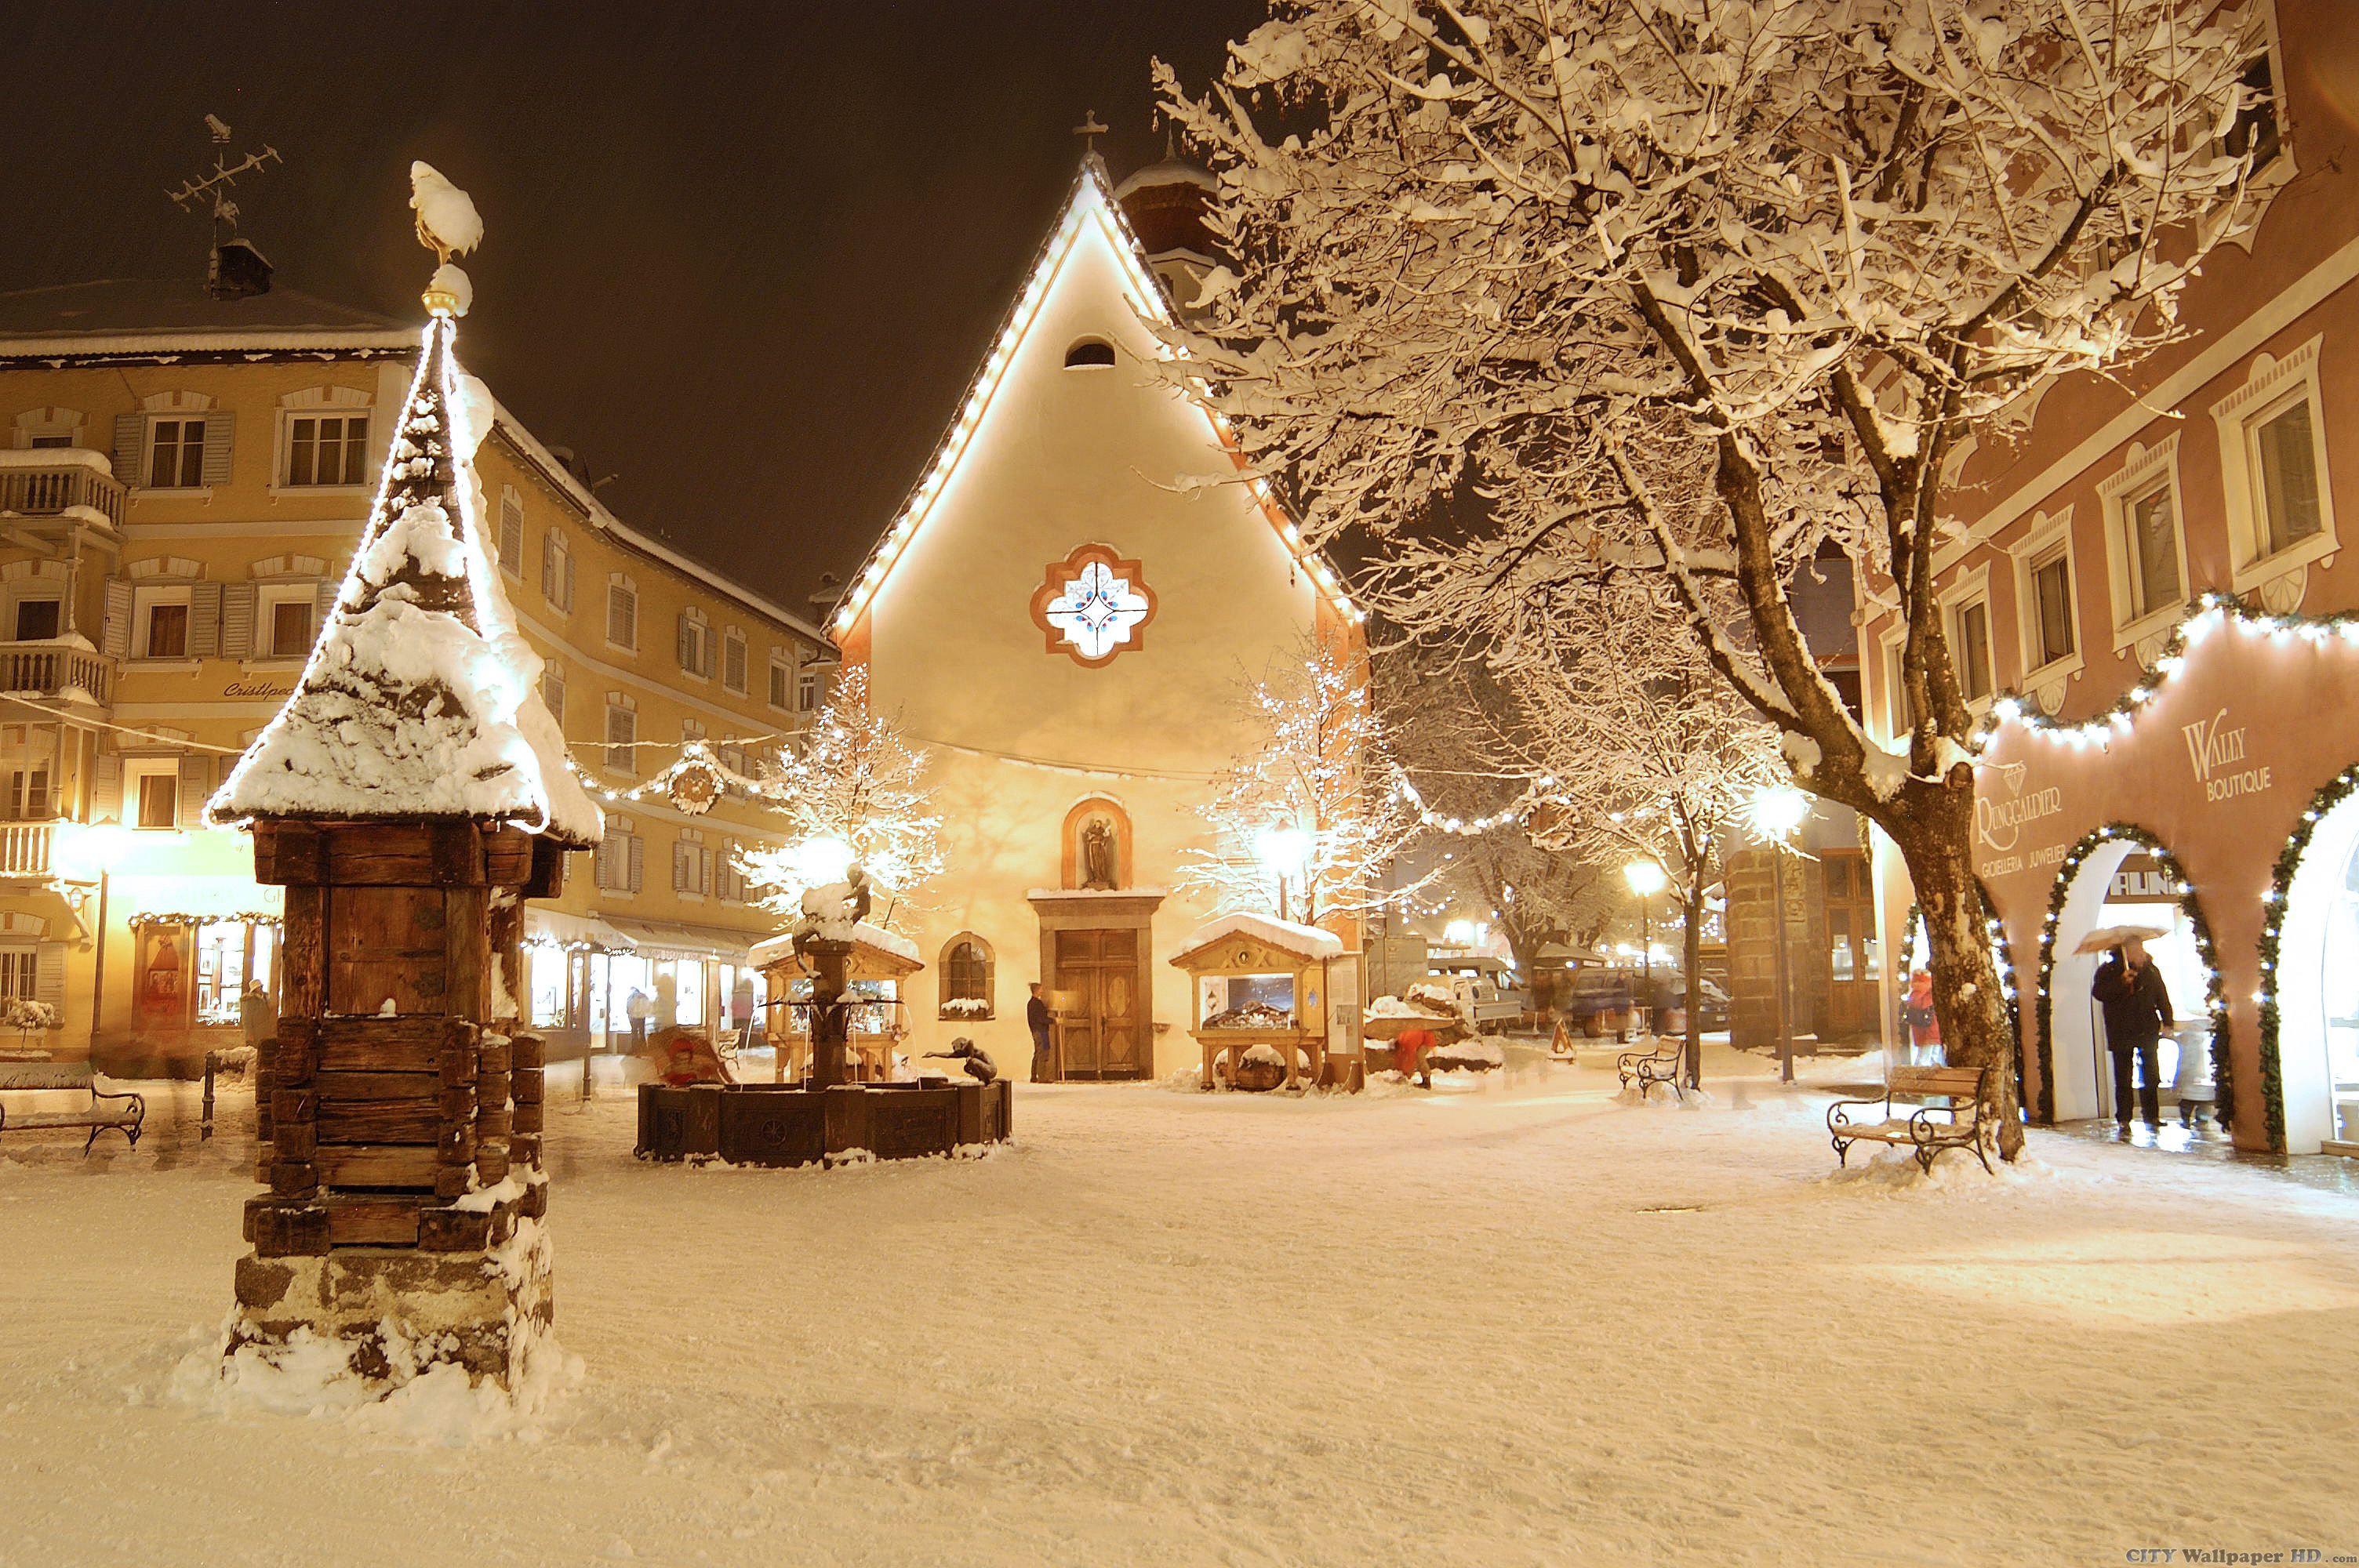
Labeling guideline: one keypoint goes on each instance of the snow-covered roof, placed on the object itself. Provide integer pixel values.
(117, 317)
(421, 698)
(1305, 941)
(770, 949)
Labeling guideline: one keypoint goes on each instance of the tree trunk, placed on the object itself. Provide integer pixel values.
(1691, 949)
(1933, 830)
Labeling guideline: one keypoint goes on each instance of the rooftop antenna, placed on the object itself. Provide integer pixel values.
(217, 185)
(1089, 130)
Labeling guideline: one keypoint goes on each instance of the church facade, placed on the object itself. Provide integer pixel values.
(1065, 616)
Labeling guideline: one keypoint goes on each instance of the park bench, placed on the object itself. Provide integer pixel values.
(125, 1116)
(1928, 1130)
(1660, 1064)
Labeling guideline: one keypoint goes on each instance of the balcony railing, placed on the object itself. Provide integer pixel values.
(46, 482)
(50, 667)
(25, 847)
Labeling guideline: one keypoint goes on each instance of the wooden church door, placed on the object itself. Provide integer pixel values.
(1109, 1039)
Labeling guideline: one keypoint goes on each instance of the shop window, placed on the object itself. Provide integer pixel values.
(967, 973)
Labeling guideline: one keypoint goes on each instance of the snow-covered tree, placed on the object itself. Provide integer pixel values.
(1455, 733)
(1657, 757)
(1539, 290)
(850, 782)
(1314, 802)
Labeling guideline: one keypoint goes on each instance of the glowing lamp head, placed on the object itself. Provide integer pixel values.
(1459, 934)
(100, 846)
(1645, 877)
(1777, 811)
(1282, 848)
(821, 861)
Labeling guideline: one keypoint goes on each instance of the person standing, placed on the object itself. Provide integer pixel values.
(258, 1015)
(1036, 1018)
(2137, 1008)
(638, 1010)
(1924, 1023)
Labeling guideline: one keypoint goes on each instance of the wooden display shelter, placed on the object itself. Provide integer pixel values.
(1258, 955)
(787, 1025)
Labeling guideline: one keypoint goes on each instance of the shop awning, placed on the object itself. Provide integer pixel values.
(668, 939)
(573, 930)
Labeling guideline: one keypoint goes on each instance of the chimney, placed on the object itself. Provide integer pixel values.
(238, 271)
(823, 602)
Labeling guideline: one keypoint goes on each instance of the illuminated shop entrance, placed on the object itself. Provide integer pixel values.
(2318, 989)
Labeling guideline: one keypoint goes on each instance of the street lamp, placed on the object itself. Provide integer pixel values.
(1646, 879)
(99, 846)
(1282, 848)
(1777, 811)
(824, 860)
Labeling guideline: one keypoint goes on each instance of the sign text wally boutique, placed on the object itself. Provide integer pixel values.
(2214, 750)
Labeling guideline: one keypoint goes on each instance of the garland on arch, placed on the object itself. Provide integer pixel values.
(2215, 994)
(2337, 790)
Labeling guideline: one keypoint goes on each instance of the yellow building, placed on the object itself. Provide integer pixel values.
(183, 477)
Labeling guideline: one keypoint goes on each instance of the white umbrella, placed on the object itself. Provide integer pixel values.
(2105, 936)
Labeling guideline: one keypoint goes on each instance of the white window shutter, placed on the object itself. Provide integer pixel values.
(548, 569)
(704, 871)
(196, 783)
(638, 862)
(106, 788)
(512, 533)
(49, 974)
(130, 445)
(566, 600)
(204, 620)
(118, 618)
(219, 424)
(685, 635)
(324, 601)
(238, 602)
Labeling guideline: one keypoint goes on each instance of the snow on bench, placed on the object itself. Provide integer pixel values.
(127, 1117)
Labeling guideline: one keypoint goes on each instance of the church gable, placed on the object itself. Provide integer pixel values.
(1068, 460)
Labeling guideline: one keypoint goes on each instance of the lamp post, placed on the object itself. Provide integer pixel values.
(1646, 879)
(100, 846)
(1281, 849)
(1777, 811)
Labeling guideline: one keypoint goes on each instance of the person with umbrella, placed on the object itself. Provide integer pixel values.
(2137, 1008)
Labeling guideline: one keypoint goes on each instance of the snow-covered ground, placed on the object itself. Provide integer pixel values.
(1514, 1322)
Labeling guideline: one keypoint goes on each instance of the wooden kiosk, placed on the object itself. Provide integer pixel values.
(1259, 989)
(876, 972)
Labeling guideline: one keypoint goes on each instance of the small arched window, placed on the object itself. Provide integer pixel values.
(1090, 353)
(966, 977)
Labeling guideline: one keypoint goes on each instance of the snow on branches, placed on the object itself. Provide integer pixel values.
(1313, 804)
(850, 782)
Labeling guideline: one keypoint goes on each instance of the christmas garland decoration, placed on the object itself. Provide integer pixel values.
(243, 917)
(2341, 788)
(2215, 994)
(2211, 610)
(2002, 959)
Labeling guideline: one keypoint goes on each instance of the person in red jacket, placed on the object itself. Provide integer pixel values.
(1409, 1054)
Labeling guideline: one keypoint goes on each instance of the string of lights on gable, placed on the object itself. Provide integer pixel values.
(2212, 612)
(1092, 202)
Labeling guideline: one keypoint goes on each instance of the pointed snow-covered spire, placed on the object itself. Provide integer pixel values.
(420, 698)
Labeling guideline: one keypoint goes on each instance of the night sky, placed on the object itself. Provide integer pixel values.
(744, 257)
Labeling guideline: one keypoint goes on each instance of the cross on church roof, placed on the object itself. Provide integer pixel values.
(1089, 130)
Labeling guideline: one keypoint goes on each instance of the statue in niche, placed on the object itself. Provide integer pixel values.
(1097, 854)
